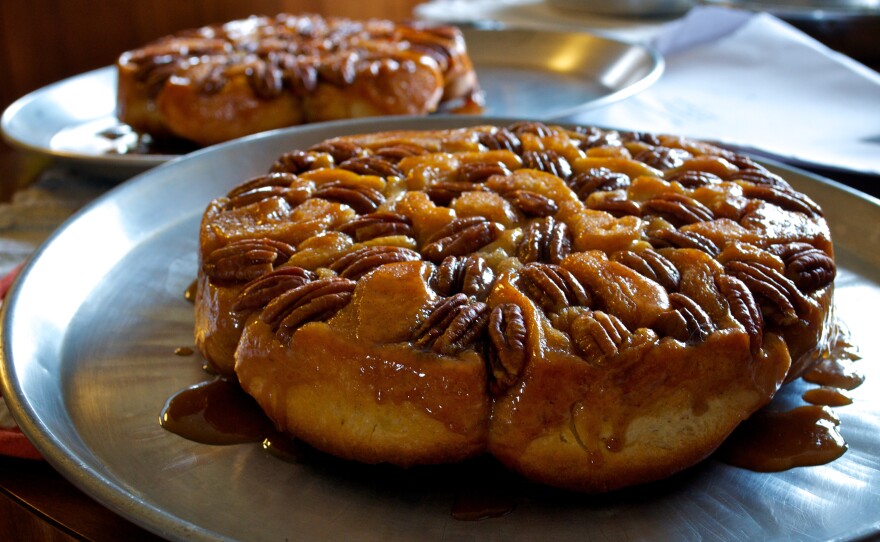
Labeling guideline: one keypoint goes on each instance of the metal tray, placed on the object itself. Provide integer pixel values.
(88, 339)
(526, 73)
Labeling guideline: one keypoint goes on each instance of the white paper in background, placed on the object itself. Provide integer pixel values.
(756, 82)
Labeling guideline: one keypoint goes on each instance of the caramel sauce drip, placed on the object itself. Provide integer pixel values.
(827, 396)
(835, 372)
(190, 293)
(776, 441)
(183, 351)
(215, 412)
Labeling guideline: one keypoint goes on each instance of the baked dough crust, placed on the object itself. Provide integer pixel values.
(594, 308)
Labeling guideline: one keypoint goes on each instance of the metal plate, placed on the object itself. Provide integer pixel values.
(89, 334)
(827, 10)
(524, 73)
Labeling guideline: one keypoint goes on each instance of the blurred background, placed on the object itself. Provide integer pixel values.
(44, 41)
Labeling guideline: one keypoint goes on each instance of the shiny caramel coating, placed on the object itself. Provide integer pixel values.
(585, 345)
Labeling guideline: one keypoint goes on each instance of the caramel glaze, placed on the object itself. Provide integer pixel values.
(215, 412)
(836, 372)
(775, 441)
(190, 293)
(827, 396)
(220, 412)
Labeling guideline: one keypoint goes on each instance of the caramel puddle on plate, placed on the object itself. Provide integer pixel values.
(215, 412)
(775, 441)
(772, 441)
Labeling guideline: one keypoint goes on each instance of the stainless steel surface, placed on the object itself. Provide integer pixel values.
(89, 334)
(524, 73)
(643, 8)
(535, 73)
(64, 120)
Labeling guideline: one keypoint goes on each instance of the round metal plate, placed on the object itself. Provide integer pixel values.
(90, 330)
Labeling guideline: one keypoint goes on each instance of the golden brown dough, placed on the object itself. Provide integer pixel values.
(595, 308)
(217, 83)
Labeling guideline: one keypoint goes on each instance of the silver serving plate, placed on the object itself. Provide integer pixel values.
(90, 329)
(525, 73)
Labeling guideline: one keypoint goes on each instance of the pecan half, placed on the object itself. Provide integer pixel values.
(397, 152)
(272, 180)
(300, 73)
(547, 240)
(783, 302)
(553, 288)
(313, 301)
(530, 127)
(640, 137)
(358, 263)
(742, 161)
(598, 335)
(342, 72)
(246, 259)
(651, 264)
(691, 178)
(686, 321)
(678, 208)
(263, 193)
(265, 79)
(339, 150)
(661, 238)
(501, 139)
(470, 275)
(293, 162)
(212, 79)
(614, 204)
(379, 224)
(508, 339)
(257, 293)
(597, 179)
(808, 267)
(590, 136)
(442, 193)
(371, 165)
(478, 172)
(663, 157)
(786, 199)
(532, 204)
(460, 237)
(743, 308)
(363, 199)
(760, 176)
(548, 161)
(454, 325)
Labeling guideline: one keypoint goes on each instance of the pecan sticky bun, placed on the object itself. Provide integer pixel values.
(220, 82)
(596, 309)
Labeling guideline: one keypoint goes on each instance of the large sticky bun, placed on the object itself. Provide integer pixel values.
(594, 308)
(225, 81)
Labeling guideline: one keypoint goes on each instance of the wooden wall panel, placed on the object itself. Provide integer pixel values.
(42, 41)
